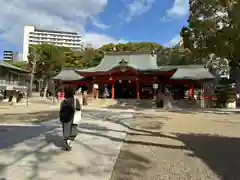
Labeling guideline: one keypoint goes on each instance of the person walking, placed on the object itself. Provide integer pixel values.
(105, 92)
(68, 108)
(159, 99)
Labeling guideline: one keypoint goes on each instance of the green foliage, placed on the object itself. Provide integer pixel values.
(214, 28)
(132, 47)
(51, 59)
(175, 56)
(19, 64)
(88, 57)
(165, 56)
(225, 94)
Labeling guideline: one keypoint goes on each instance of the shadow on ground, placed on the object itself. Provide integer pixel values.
(130, 164)
(33, 117)
(11, 134)
(219, 153)
(144, 104)
(132, 104)
(31, 145)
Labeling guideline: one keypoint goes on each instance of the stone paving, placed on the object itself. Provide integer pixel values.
(160, 145)
(33, 152)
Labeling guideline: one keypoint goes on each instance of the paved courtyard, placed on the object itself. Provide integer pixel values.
(181, 146)
(124, 145)
(33, 152)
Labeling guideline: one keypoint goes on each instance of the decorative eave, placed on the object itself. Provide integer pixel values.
(120, 53)
(12, 67)
(68, 75)
(199, 73)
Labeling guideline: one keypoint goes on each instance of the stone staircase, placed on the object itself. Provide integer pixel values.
(101, 102)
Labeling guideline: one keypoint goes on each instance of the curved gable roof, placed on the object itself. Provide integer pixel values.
(198, 73)
(138, 61)
(68, 75)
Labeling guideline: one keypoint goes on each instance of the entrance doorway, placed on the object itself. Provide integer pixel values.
(125, 89)
(105, 90)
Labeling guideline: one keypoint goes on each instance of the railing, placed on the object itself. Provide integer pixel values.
(12, 82)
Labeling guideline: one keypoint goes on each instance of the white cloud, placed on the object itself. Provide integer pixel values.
(174, 41)
(96, 22)
(136, 8)
(179, 8)
(97, 40)
(70, 15)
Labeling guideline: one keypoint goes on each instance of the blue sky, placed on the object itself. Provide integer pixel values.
(99, 21)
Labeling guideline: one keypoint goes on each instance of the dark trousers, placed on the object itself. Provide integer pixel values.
(160, 103)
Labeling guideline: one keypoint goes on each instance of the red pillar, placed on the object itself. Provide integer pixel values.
(138, 89)
(202, 91)
(191, 91)
(93, 91)
(113, 90)
(97, 93)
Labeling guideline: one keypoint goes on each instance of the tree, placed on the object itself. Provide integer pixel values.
(175, 56)
(165, 56)
(135, 47)
(87, 57)
(91, 57)
(49, 60)
(214, 29)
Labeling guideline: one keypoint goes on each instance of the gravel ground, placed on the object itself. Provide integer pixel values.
(177, 146)
(34, 113)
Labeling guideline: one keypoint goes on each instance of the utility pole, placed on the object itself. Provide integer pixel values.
(35, 59)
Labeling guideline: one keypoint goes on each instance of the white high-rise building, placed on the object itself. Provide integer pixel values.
(10, 56)
(33, 35)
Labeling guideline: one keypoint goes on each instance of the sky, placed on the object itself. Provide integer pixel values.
(98, 21)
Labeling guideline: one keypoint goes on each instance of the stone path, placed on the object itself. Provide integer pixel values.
(33, 152)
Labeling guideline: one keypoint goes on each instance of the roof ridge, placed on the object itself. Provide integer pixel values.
(8, 65)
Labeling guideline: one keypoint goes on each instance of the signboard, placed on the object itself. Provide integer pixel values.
(95, 86)
(155, 86)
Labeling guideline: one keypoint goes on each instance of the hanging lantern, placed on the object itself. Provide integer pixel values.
(120, 81)
(129, 81)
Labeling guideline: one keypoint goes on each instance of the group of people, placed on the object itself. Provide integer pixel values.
(15, 96)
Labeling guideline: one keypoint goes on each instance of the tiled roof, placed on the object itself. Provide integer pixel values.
(7, 65)
(68, 75)
(198, 73)
(138, 61)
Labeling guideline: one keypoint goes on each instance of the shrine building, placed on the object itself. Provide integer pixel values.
(137, 75)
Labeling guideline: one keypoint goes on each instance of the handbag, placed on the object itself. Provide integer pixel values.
(77, 115)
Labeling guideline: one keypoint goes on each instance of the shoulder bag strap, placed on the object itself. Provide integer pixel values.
(75, 103)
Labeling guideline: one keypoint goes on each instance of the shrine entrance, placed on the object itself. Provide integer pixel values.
(125, 89)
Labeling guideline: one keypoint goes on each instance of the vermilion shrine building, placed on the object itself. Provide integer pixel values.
(132, 75)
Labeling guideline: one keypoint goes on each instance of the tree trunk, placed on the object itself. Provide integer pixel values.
(53, 91)
(45, 89)
(31, 79)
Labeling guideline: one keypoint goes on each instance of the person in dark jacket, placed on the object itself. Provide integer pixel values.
(67, 110)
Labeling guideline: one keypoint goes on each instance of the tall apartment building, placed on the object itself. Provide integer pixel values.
(33, 35)
(10, 56)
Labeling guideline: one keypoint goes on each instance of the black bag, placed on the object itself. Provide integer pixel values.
(67, 111)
